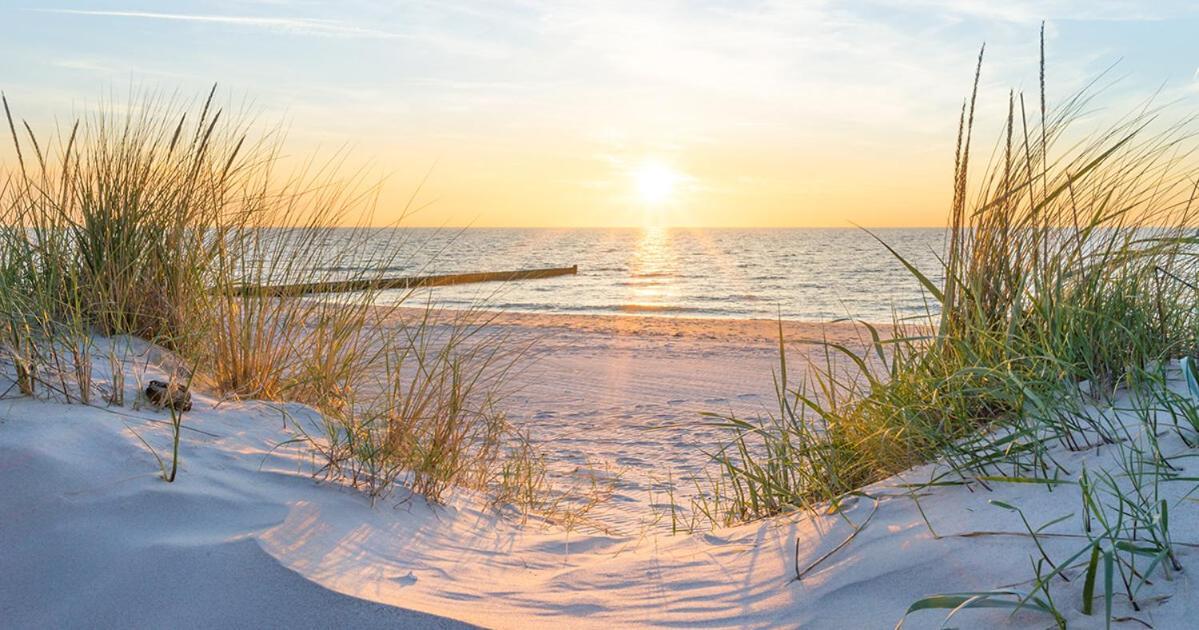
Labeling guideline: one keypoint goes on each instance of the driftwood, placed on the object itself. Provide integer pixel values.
(411, 282)
(169, 395)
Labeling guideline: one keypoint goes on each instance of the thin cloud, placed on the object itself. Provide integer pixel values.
(308, 26)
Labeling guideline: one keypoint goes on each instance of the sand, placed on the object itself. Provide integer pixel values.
(621, 398)
(92, 537)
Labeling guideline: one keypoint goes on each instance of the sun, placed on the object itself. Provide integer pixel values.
(655, 182)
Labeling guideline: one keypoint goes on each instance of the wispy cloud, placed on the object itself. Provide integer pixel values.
(768, 104)
(309, 26)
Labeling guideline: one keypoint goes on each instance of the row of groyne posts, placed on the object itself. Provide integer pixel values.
(409, 282)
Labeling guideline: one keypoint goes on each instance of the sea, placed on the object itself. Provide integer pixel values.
(798, 274)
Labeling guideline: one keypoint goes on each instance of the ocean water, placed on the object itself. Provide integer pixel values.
(802, 274)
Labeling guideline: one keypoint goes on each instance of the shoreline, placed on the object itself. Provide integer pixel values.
(729, 329)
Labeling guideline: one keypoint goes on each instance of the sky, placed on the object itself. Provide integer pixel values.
(609, 113)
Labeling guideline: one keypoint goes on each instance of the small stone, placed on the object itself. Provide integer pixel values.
(165, 395)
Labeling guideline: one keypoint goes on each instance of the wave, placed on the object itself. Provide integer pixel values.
(651, 308)
(743, 297)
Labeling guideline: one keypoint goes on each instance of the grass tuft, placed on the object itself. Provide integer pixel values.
(149, 219)
(1066, 292)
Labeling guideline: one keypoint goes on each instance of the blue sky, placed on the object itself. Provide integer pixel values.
(540, 113)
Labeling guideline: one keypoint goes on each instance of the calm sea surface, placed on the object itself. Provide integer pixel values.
(806, 274)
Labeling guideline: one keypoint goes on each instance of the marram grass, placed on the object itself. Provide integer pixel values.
(145, 218)
(1063, 271)
(1069, 276)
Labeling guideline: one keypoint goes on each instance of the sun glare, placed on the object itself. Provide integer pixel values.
(655, 182)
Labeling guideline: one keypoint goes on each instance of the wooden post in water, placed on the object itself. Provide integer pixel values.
(410, 282)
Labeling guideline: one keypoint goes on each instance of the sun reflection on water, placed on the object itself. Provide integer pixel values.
(651, 269)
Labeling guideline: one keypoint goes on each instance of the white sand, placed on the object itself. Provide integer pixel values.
(91, 537)
(622, 397)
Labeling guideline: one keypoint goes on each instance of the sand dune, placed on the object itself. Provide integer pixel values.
(91, 537)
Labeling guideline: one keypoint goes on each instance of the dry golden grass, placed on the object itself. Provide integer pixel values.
(147, 218)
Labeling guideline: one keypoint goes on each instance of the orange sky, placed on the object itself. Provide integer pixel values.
(540, 113)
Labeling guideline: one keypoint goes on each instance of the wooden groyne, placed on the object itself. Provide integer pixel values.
(410, 282)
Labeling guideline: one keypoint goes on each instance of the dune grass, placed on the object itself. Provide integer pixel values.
(1068, 284)
(1065, 271)
(147, 217)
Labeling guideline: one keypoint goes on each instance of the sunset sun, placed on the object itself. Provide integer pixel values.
(655, 182)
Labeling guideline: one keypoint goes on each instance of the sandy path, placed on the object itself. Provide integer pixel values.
(622, 398)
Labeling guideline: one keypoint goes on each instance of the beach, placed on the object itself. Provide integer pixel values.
(248, 536)
(609, 324)
(623, 398)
